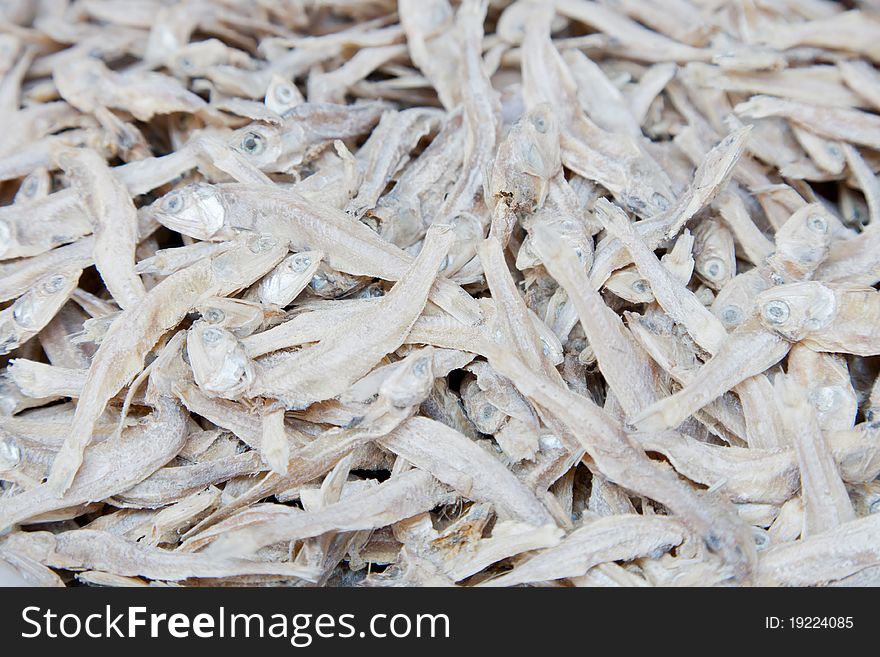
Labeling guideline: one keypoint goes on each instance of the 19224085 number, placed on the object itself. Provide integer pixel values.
(823, 622)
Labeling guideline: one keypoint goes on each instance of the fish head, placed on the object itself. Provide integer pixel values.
(219, 364)
(802, 243)
(281, 286)
(196, 210)
(735, 302)
(260, 143)
(412, 379)
(237, 315)
(540, 128)
(795, 310)
(282, 95)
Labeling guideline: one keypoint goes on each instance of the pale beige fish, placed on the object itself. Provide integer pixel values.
(599, 97)
(166, 526)
(115, 223)
(315, 321)
(332, 86)
(628, 284)
(40, 380)
(826, 501)
(218, 361)
(216, 212)
(57, 339)
(481, 108)
(620, 459)
(709, 180)
(284, 283)
(748, 350)
(512, 323)
(616, 538)
(508, 538)
(853, 261)
(754, 243)
(172, 483)
(36, 185)
(826, 154)
(386, 151)
(615, 161)
(802, 243)
(835, 318)
(479, 476)
(429, 27)
(863, 79)
(821, 83)
(638, 41)
(88, 84)
(307, 128)
(97, 550)
(674, 297)
(405, 212)
(400, 497)
(109, 467)
(822, 558)
(274, 446)
(41, 155)
(649, 87)
(620, 358)
(526, 160)
(62, 220)
(165, 262)
(35, 308)
(714, 253)
(867, 181)
(120, 356)
(826, 379)
(196, 57)
(328, 368)
(850, 31)
(846, 125)
(679, 356)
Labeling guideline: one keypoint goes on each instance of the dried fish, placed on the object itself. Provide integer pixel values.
(475, 293)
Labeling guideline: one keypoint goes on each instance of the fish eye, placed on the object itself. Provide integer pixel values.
(660, 201)
(185, 63)
(212, 335)
(54, 284)
(541, 124)
(817, 223)
(762, 538)
(640, 286)
(262, 243)
(283, 93)
(301, 263)
(23, 312)
(214, 315)
(731, 314)
(714, 268)
(776, 311)
(253, 143)
(172, 203)
(30, 187)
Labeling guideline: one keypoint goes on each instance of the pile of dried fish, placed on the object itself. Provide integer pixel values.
(420, 292)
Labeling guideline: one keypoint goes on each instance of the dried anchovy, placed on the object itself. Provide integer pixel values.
(484, 293)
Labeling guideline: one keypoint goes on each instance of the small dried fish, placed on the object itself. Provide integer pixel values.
(311, 293)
